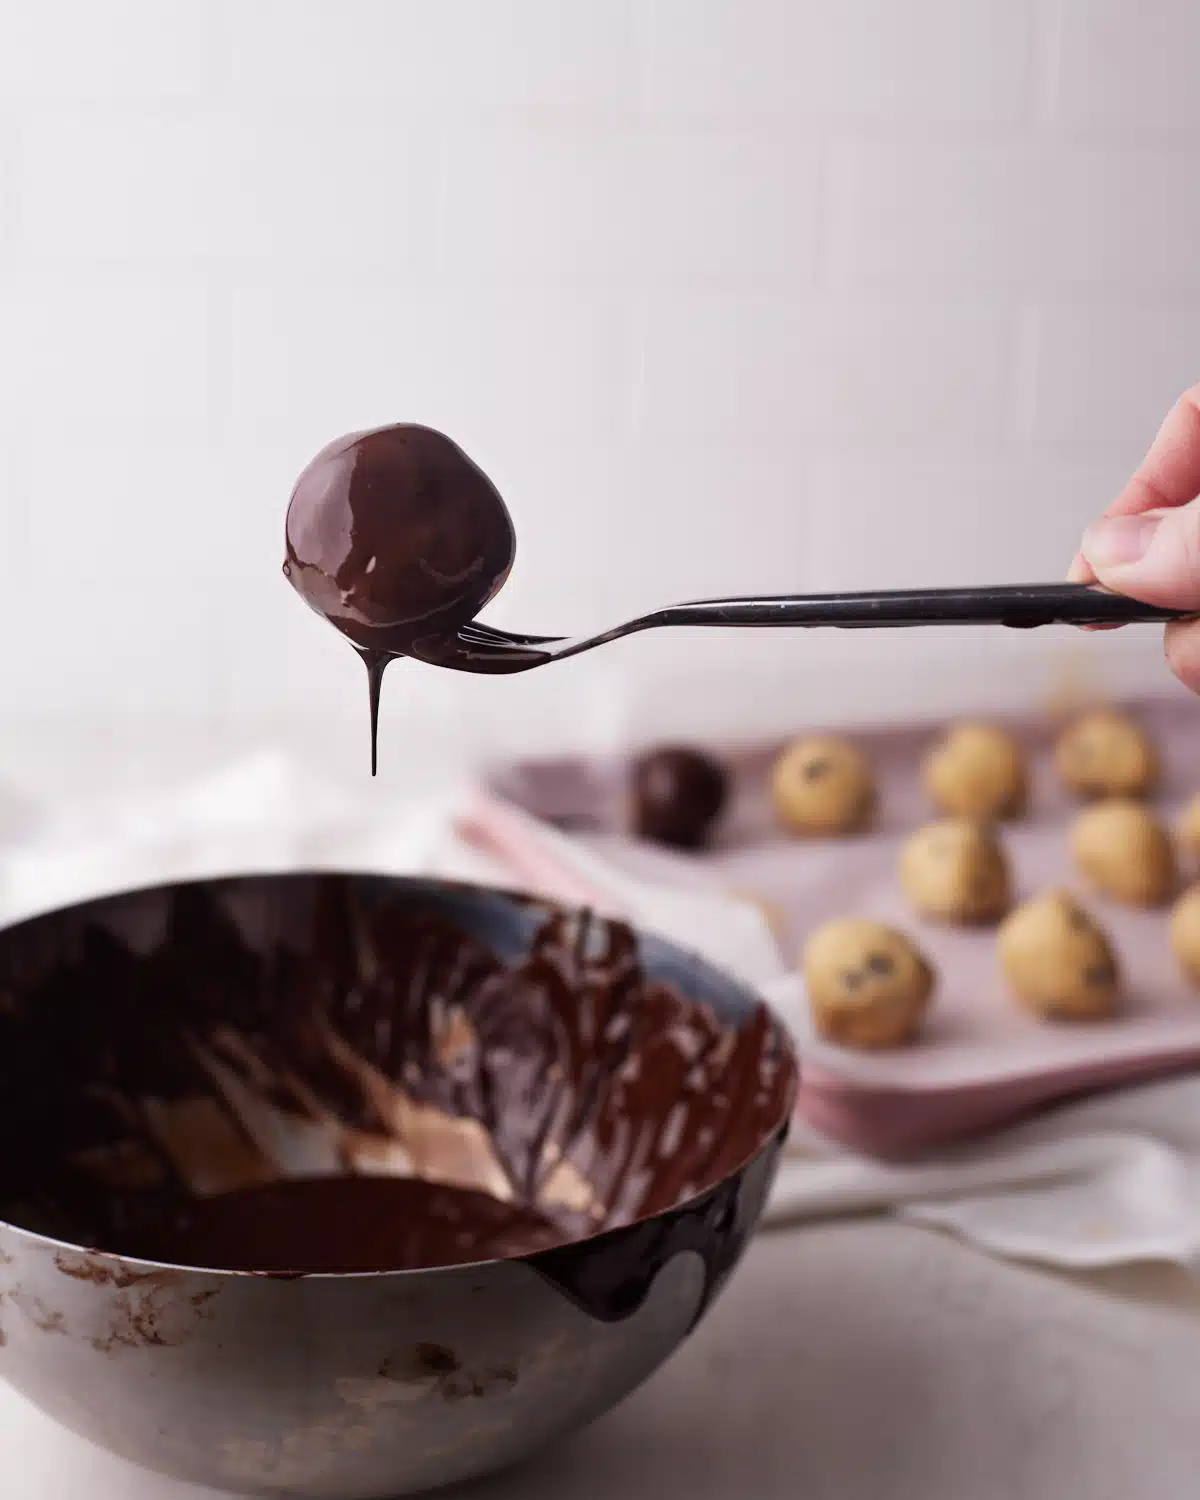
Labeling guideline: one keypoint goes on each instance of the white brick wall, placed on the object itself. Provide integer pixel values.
(454, 58)
(845, 61)
(641, 205)
(1112, 368)
(212, 187)
(805, 294)
(1029, 211)
(1129, 67)
(854, 369)
(70, 52)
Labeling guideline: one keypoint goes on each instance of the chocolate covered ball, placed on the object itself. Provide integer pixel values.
(396, 537)
(677, 795)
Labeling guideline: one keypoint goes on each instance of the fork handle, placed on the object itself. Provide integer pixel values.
(1021, 606)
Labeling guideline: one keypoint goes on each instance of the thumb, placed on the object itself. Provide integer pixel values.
(1154, 556)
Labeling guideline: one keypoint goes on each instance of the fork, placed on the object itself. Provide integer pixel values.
(476, 647)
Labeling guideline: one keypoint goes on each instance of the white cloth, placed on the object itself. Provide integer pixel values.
(1113, 1179)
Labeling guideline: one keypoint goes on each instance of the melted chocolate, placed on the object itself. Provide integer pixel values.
(396, 538)
(327, 1225)
(172, 1061)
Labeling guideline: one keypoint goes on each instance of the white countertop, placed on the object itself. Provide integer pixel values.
(852, 1361)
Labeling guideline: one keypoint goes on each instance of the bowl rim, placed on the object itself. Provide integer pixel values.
(777, 1131)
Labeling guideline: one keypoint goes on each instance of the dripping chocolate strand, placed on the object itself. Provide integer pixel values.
(376, 665)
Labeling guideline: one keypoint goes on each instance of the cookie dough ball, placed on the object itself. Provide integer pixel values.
(1123, 850)
(823, 785)
(1189, 827)
(677, 795)
(1105, 754)
(868, 985)
(977, 771)
(1185, 932)
(1058, 961)
(957, 871)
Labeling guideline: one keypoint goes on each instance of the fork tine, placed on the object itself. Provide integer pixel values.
(486, 635)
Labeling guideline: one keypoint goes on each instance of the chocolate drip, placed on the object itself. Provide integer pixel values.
(376, 664)
(609, 1277)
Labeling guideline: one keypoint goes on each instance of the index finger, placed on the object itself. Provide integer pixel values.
(1169, 475)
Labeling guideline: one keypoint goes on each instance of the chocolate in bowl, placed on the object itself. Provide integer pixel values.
(350, 1186)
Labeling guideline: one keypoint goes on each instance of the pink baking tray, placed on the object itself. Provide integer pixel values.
(981, 1060)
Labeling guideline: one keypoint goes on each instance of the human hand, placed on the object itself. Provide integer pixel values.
(1147, 543)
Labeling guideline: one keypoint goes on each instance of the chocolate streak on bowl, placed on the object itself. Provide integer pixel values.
(248, 1037)
(610, 1277)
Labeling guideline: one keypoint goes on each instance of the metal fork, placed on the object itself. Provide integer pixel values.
(482, 648)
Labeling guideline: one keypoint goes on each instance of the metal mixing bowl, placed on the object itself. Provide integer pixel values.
(344, 1385)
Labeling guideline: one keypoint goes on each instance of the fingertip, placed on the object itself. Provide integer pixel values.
(1181, 645)
(1080, 570)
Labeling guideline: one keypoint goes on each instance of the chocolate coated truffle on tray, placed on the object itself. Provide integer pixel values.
(676, 795)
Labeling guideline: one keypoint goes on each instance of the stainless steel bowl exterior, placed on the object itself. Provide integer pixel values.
(367, 1385)
(330, 1387)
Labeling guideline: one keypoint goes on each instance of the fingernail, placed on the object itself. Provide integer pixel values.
(1119, 540)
